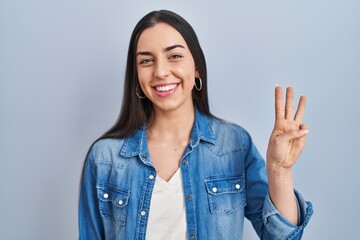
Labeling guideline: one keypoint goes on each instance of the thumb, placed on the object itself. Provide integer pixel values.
(293, 134)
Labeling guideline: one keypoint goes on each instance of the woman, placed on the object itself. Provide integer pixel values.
(169, 169)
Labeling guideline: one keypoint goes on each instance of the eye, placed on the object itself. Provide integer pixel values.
(175, 56)
(145, 61)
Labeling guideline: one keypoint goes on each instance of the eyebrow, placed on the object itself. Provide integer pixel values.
(173, 47)
(167, 49)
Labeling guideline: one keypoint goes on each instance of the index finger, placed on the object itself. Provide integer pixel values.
(279, 105)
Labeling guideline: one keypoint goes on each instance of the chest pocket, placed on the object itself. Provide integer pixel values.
(226, 194)
(113, 203)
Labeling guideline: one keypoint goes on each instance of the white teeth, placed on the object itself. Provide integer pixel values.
(165, 88)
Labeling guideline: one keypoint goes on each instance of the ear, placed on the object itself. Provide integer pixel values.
(197, 75)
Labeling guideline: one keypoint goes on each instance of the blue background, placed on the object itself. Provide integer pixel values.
(61, 80)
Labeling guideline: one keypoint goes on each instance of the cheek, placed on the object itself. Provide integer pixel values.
(187, 72)
(143, 75)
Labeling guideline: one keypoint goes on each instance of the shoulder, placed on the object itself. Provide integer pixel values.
(105, 149)
(228, 128)
(227, 132)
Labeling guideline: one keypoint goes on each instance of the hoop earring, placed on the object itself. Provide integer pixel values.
(137, 93)
(200, 82)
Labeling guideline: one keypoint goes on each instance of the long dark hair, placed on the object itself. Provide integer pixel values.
(135, 111)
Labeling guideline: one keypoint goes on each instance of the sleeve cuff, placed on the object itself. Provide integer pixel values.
(280, 227)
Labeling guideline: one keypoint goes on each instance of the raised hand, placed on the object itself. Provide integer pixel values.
(288, 138)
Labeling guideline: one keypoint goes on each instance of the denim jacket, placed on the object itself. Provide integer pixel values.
(224, 180)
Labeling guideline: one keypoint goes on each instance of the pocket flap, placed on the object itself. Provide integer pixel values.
(225, 184)
(109, 193)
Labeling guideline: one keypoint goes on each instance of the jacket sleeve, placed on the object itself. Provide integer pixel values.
(266, 220)
(90, 220)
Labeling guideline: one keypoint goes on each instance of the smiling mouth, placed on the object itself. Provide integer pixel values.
(166, 88)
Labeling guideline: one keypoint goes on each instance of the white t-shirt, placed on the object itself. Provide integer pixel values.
(167, 219)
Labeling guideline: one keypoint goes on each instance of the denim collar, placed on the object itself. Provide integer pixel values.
(137, 144)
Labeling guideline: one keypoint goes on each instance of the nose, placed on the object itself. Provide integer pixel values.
(161, 69)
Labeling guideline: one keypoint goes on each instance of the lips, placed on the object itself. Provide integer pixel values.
(165, 90)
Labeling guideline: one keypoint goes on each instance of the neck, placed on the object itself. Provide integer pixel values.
(170, 124)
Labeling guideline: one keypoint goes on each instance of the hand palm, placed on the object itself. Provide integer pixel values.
(289, 135)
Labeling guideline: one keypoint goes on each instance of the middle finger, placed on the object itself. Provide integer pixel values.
(289, 105)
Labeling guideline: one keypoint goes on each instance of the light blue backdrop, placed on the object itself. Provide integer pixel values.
(61, 76)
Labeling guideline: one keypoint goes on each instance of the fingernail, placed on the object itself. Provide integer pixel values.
(277, 85)
(303, 132)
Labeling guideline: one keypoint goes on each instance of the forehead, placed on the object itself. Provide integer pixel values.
(160, 36)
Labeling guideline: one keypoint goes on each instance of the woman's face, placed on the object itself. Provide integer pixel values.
(166, 68)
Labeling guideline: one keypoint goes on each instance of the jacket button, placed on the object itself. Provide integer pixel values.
(185, 162)
(106, 195)
(190, 197)
(121, 202)
(151, 177)
(237, 186)
(214, 189)
(143, 213)
(193, 235)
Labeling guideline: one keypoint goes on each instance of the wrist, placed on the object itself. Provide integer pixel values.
(278, 171)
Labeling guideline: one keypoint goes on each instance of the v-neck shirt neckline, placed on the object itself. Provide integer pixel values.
(167, 215)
